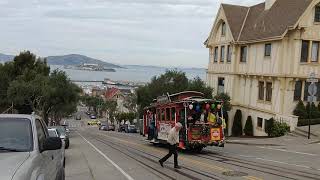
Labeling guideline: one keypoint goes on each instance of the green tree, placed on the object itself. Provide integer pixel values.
(27, 83)
(268, 126)
(172, 81)
(248, 128)
(300, 111)
(237, 124)
(313, 110)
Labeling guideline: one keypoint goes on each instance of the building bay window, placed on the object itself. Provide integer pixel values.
(269, 91)
(220, 85)
(297, 91)
(229, 54)
(222, 54)
(317, 13)
(261, 90)
(304, 51)
(243, 54)
(265, 91)
(215, 56)
(267, 49)
(315, 51)
(309, 51)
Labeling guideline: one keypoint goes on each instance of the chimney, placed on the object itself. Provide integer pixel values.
(268, 4)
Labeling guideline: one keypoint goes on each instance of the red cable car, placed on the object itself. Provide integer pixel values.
(202, 120)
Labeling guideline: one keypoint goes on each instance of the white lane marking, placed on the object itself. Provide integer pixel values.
(296, 152)
(284, 163)
(107, 158)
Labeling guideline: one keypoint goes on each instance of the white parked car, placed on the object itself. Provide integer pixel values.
(26, 150)
(53, 132)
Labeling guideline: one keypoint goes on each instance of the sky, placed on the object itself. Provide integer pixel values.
(145, 32)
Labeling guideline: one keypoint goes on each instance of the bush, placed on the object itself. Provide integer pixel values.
(305, 122)
(248, 128)
(300, 110)
(268, 126)
(279, 129)
(237, 124)
(314, 112)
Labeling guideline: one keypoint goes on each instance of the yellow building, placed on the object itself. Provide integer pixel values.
(262, 55)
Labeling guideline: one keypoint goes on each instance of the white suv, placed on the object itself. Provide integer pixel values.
(26, 150)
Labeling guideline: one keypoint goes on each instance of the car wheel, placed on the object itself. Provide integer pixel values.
(64, 162)
(67, 144)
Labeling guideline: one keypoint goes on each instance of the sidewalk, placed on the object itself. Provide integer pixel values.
(77, 167)
(265, 141)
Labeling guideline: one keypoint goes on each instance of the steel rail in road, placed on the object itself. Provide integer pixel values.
(283, 172)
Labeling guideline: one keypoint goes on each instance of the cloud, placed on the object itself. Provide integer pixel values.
(156, 32)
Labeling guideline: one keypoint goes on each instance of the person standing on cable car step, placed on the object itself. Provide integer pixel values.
(173, 140)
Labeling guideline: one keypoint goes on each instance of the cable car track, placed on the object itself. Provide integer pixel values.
(264, 167)
(112, 145)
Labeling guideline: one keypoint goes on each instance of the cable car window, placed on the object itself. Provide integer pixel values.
(173, 114)
(168, 114)
(163, 118)
(158, 115)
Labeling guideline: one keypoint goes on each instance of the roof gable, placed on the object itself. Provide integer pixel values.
(235, 16)
(260, 24)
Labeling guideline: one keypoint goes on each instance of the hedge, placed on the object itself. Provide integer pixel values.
(305, 122)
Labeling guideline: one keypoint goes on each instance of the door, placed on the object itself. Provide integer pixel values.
(48, 165)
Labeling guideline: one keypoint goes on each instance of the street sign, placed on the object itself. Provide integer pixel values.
(312, 89)
(312, 99)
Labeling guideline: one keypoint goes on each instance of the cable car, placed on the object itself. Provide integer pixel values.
(201, 118)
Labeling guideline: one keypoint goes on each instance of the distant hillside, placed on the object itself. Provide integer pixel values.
(5, 58)
(71, 59)
(76, 59)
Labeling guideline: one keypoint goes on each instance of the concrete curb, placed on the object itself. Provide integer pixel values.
(250, 143)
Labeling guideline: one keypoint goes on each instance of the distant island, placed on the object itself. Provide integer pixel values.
(73, 60)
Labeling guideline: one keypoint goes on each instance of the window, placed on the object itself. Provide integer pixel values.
(223, 29)
(220, 85)
(215, 58)
(41, 134)
(229, 53)
(297, 91)
(306, 93)
(158, 115)
(163, 118)
(269, 91)
(168, 114)
(173, 114)
(317, 14)
(315, 51)
(222, 54)
(259, 122)
(261, 90)
(243, 55)
(267, 50)
(304, 51)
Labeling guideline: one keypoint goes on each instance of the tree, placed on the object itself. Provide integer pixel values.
(268, 126)
(300, 111)
(313, 110)
(248, 128)
(27, 83)
(172, 81)
(237, 124)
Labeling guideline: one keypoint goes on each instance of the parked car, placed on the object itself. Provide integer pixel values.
(26, 150)
(53, 132)
(63, 135)
(132, 129)
(123, 128)
(93, 116)
(107, 127)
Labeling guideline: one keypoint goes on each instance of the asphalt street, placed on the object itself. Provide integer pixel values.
(114, 155)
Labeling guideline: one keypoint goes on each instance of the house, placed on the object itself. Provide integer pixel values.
(262, 55)
(115, 94)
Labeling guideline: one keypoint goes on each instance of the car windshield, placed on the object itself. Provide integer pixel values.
(132, 126)
(52, 133)
(15, 134)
